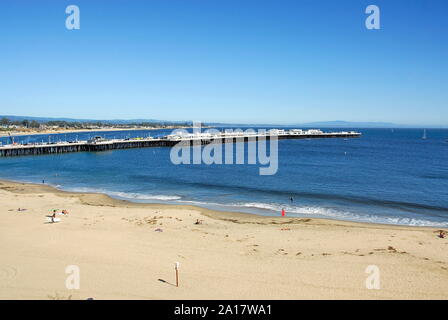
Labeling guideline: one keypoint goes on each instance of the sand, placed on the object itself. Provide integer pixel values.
(120, 254)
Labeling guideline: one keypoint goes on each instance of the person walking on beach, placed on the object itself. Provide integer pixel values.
(53, 216)
(283, 212)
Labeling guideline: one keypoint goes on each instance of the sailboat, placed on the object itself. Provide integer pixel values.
(424, 135)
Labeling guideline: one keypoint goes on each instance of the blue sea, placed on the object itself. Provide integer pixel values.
(390, 176)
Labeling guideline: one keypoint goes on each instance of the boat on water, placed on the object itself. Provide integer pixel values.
(424, 135)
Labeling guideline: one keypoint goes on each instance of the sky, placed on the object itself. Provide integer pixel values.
(245, 61)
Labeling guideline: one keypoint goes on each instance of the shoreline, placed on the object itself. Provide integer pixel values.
(127, 250)
(212, 213)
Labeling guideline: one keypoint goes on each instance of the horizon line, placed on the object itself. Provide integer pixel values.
(381, 124)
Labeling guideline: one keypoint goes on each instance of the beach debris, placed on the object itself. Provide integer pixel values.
(158, 230)
(391, 249)
(198, 221)
(176, 267)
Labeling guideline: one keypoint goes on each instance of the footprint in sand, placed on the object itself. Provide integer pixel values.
(282, 252)
(251, 249)
(7, 273)
(251, 252)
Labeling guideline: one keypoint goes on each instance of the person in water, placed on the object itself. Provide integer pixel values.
(292, 199)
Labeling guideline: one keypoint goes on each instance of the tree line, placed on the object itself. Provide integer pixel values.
(79, 125)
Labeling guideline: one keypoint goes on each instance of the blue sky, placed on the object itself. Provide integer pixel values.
(252, 61)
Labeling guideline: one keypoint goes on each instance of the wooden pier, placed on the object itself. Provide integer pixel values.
(168, 141)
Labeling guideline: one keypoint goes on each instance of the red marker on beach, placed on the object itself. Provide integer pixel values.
(283, 212)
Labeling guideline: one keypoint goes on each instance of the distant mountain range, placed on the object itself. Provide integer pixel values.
(318, 124)
(330, 124)
(348, 124)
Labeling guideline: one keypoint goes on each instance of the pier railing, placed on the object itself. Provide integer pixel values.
(167, 141)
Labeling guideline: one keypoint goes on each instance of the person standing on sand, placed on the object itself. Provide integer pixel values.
(53, 216)
(283, 212)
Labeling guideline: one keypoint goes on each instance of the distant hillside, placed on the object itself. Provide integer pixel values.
(348, 124)
(117, 121)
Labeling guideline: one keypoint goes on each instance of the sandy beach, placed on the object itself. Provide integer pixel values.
(127, 251)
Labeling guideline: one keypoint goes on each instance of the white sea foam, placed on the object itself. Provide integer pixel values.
(332, 213)
(275, 209)
(140, 196)
(129, 195)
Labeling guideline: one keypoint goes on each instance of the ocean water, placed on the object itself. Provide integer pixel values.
(386, 176)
